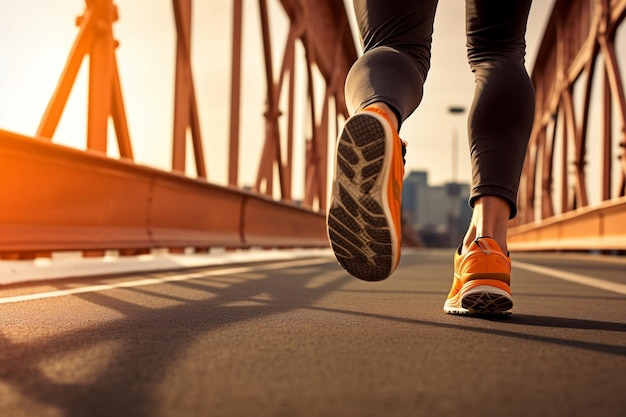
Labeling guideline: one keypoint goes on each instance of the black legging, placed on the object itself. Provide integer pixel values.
(397, 36)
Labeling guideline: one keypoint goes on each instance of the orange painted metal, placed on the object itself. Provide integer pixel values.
(235, 94)
(555, 211)
(284, 224)
(185, 104)
(56, 198)
(324, 32)
(601, 228)
(95, 38)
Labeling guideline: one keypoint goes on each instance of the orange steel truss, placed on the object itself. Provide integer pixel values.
(57, 198)
(574, 116)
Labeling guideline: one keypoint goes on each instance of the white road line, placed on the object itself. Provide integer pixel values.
(171, 278)
(577, 278)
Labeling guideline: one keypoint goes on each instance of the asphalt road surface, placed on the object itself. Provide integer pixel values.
(302, 338)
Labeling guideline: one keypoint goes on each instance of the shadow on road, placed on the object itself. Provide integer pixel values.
(149, 337)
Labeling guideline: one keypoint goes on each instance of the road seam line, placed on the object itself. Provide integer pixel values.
(572, 277)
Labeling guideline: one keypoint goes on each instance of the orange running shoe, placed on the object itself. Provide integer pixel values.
(482, 279)
(365, 204)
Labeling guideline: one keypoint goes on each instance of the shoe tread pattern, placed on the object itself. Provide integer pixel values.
(359, 231)
(487, 303)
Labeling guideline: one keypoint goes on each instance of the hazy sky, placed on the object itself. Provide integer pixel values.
(36, 37)
(451, 83)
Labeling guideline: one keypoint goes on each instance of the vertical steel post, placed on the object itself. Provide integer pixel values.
(235, 94)
(182, 9)
(185, 104)
(100, 76)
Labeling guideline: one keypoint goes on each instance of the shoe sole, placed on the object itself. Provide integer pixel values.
(481, 299)
(360, 224)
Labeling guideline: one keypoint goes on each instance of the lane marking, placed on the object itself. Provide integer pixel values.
(172, 278)
(572, 277)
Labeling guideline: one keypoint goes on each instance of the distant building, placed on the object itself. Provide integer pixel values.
(438, 214)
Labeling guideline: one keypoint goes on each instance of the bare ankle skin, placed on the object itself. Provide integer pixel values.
(489, 218)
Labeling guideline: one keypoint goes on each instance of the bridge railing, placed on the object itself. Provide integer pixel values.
(572, 194)
(59, 198)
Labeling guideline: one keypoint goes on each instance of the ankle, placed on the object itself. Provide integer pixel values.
(490, 218)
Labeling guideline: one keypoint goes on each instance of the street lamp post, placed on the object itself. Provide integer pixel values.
(455, 141)
(453, 187)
